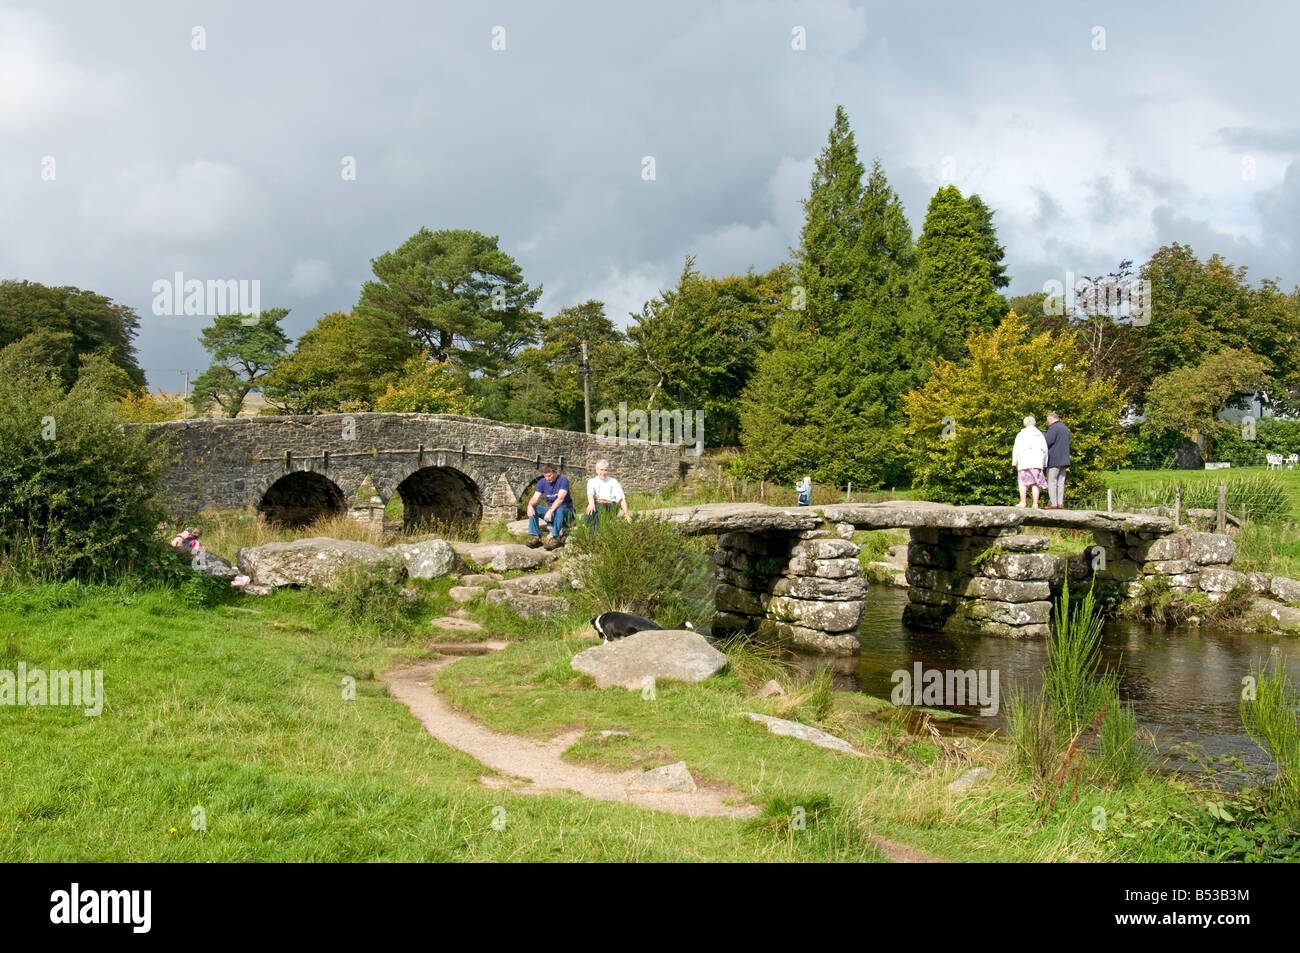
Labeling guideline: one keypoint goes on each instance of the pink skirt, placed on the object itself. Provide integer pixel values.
(1033, 477)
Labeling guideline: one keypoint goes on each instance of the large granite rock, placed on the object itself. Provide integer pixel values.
(1287, 590)
(317, 561)
(526, 604)
(501, 556)
(428, 559)
(538, 584)
(814, 614)
(211, 565)
(653, 654)
(1211, 549)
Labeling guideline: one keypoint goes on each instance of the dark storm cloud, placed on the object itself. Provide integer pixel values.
(226, 162)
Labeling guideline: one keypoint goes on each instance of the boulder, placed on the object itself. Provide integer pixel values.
(211, 565)
(527, 604)
(1287, 590)
(1275, 615)
(802, 637)
(826, 549)
(478, 579)
(1211, 549)
(1221, 580)
(670, 778)
(815, 614)
(653, 654)
(814, 587)
(772, 689)
(1260, 582)
(827, 568)
(538, 584)
(465, 593)
(1176, 546)
(428, 559)
(501, 556)
(1022, 566)
(317, 561)
(795, 729)
(1007, 590)
(1025, 543)
(845, 530)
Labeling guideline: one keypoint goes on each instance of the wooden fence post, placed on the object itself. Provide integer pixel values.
(1221, 511)
(1178, 505)
(848, 496)
(1110, 500)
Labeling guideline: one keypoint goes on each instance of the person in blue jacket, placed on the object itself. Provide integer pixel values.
(805, 491)
(553, 487)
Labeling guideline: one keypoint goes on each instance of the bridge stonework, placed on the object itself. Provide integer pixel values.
(443, 466)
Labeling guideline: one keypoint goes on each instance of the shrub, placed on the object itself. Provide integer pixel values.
(78, 492)
(648, 566)
(366, 597)
(962, 423)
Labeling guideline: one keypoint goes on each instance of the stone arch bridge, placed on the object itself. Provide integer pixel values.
(443, 467)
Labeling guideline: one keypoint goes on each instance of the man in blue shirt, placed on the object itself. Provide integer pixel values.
(554, 489)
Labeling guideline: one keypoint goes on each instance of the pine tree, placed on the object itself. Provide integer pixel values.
(825, 258)
(826, 399)
(956, 280)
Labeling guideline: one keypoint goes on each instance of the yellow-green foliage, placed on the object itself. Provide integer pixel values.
(962, 423)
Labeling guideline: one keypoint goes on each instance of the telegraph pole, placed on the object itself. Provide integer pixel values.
(586, 389)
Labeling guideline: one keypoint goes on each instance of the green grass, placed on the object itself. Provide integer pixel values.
(1256, 483)
(243, 715)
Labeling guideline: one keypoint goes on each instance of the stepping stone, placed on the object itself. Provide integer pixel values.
(795, 729)
(476, 579)
(465, 593)
(453, 624)
(669, 778)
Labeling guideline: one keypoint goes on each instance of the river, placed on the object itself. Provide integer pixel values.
(1184, 683)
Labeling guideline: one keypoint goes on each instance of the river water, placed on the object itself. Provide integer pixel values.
(1184, 683)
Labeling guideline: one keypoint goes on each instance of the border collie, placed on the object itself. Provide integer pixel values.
(619, 625)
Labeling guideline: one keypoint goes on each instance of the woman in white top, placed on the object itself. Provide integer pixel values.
(603, 494)
(1029, 457)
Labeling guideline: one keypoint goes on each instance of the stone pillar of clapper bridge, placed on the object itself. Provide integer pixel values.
(803, 588)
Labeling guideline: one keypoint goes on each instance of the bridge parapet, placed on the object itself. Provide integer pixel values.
(444, 466)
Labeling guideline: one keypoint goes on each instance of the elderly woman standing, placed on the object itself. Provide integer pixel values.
(1029, 457)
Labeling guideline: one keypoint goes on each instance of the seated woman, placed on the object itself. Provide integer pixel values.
(604, 493)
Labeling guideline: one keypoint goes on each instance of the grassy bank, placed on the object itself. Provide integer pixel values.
(243, 715)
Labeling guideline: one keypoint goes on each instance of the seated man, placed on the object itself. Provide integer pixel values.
(554, 489)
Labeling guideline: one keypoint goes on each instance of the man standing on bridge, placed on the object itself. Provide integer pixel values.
(1058, 460)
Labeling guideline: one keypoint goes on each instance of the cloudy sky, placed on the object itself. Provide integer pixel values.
(142, 139)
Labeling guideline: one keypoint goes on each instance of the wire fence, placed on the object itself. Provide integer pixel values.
(1257, 496)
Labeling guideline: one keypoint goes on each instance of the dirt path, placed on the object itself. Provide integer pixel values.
(538, 763)
(539, 766)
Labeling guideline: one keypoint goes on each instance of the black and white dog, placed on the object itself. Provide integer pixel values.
(619, 625)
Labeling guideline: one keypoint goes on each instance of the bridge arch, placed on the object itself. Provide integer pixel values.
(439, 494)
(301, 497)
